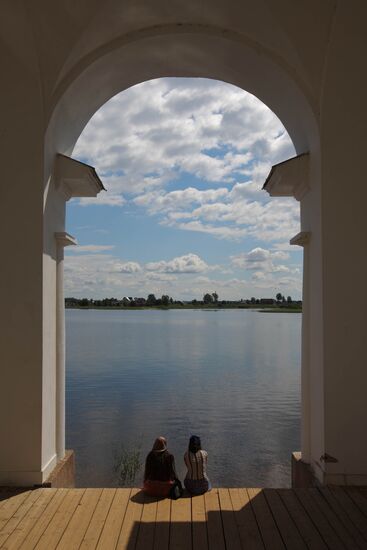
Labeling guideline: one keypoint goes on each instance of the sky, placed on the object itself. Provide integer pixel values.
(183, 161)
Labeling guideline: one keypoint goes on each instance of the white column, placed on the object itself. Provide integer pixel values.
(302, 239)
(62, 240)
(292, 179)
(305, 372)
(71, 178)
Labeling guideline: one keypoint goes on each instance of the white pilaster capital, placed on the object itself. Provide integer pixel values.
(289, 178)
(301, 239)
(64, 239)
(75, 179)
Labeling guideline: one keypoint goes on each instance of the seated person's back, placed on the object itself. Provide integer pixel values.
(160, 470)
(196, 480)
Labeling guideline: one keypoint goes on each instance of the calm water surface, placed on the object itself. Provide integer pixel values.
(232, 377)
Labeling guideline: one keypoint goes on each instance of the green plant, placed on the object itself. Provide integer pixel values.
(127, 463)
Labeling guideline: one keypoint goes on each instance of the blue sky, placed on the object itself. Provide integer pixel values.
(183, 161)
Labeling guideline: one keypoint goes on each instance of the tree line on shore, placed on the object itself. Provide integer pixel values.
(165, 301)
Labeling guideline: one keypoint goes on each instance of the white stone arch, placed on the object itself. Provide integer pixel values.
(181, 50)
(306, 61)
(192, 50)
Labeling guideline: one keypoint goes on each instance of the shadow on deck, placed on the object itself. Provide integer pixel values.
(231, 519)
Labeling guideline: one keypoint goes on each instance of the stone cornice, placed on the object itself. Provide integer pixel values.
(289, 178)
(75, 179)
(301, 239)
(64, 239)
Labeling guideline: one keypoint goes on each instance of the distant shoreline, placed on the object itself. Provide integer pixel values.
(280, 310)
(257, 307)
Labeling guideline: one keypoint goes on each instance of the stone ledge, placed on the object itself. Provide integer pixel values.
(63, 475)
(302, 477)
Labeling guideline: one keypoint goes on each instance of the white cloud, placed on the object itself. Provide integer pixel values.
(221, 232)
(258, 276)
(193, 154)
(261, 261)
(162, 277)
(156, 201)
(156, 133)
(108, 199)
(90, 248)
(101, 275)
(126, 267)
(285, 247)
(190, 263)
(280, 255)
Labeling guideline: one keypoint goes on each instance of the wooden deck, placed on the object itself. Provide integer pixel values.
(231, 519)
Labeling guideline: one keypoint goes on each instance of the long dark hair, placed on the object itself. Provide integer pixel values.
(194, 444)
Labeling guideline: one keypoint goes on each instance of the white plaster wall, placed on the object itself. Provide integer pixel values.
(189, 53)
(276, 26)
(184, 52)
(21, 156)
(344, 225)
(27, 276)
(187, 50)
(63, 60)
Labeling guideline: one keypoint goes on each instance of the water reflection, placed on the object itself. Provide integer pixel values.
(231, 376)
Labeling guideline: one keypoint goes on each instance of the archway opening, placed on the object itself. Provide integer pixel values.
(192, 155)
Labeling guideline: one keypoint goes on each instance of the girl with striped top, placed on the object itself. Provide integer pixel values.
(196, 480)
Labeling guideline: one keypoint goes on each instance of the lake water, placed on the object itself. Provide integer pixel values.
(230, 376)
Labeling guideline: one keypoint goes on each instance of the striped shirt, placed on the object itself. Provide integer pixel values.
(196, 464)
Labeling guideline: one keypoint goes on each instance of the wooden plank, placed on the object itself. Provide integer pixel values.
(199, 527)
(333, 519)
(145, 538)
(112, 527)
(93, 532)
(358, 497)
(214, 520)
(268, 529)
(18, 515)
(351, 509)
(162, 525)
(130, 526)
(245, 519)
(10, 506)
(288, 530)
(27, 523)
(44, 520)
(306, 527)
(230, 530)
(324, 527)
(359, 541)
(55, 529)
(180, 534)
(75, 531)
(5, 494)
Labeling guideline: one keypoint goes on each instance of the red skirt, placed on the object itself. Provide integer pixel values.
(157, 488)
